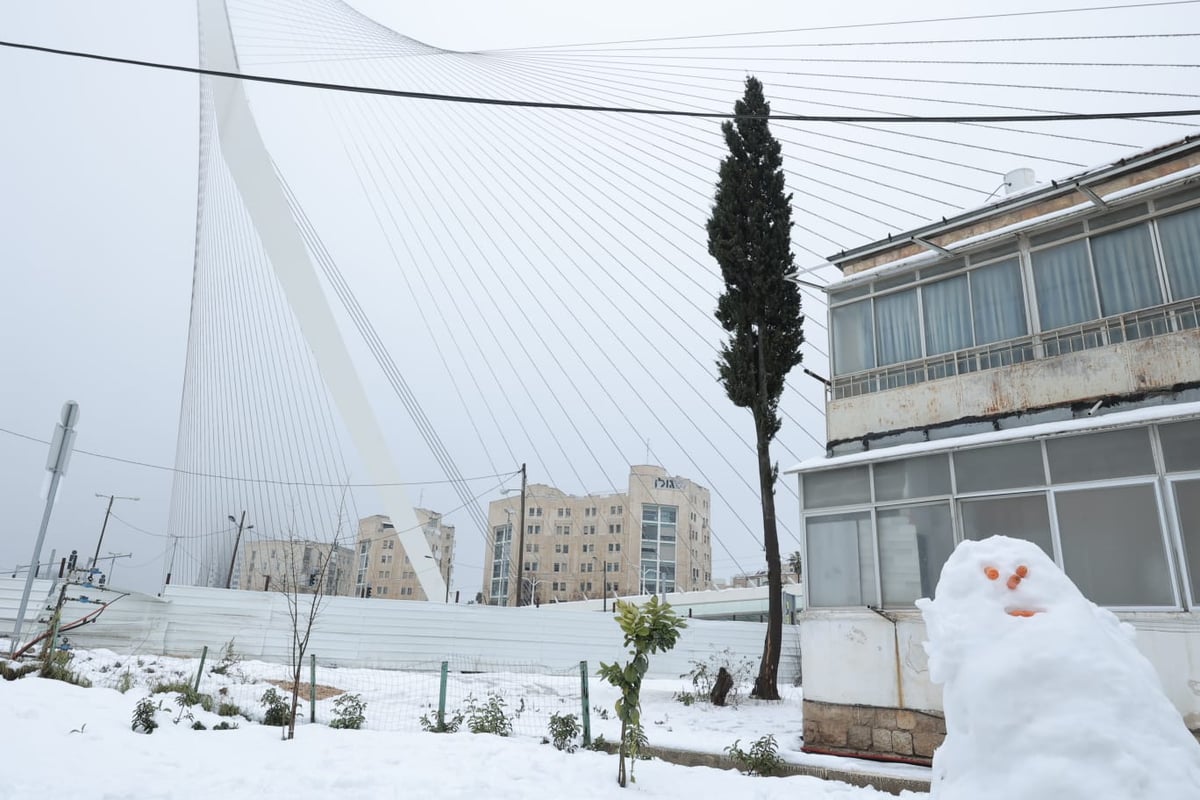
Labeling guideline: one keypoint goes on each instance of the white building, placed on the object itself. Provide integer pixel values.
(1030, 368)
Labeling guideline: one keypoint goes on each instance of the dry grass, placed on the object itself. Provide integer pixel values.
(323, 692)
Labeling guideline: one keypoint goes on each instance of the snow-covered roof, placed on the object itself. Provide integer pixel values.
(1116, 419)
(1026, 197)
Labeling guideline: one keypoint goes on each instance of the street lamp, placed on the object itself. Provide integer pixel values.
(520, 533)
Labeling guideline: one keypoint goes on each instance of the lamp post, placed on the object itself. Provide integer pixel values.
(236, 543)
(104, 525)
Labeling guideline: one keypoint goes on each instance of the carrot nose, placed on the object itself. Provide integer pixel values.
(1014, 581)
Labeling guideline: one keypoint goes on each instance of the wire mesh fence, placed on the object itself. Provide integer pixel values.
(489, 695)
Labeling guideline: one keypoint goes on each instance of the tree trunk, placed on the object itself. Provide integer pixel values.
(721, 687)
(291, 734)
(766, 686)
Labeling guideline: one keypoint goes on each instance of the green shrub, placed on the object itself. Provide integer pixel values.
(198, 726)
(687, 698)
(564, 728)
(181, 687)
(277, 708)
(229, 659)
(762, 759)
(125, 682)
(449, 724)
(143, 715)
(349, 712)
(230, 710)
(488, 717)
(225, 725)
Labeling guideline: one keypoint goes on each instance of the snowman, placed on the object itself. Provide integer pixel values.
(1045, 695)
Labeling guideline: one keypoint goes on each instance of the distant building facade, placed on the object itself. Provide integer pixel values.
(654, 537)
(382, 567)
(280, 564)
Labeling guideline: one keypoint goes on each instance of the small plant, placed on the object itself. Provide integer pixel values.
(143, 715)
(57, 668)
(198, 726)
(650, 628)
(488, 717)
(635, 742)
(125, 682)
(185, 709)
(762, 759)
(276, 705)
(449, 724)
(349, 712)
(687, 698)
(599, 744)
(230, 710)
(225, 725)
(229, 659)
(206, 702)
(564, 728)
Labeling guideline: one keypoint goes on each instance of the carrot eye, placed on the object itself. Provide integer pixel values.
(991, 572)
(1023, 571)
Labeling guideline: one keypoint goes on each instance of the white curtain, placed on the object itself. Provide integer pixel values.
(1180, 234)
(998, 303)
(947, 308)
(1125, 270)
(897, 328)
(1063, 279)
(853, 338)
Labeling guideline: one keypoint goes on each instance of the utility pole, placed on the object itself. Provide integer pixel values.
(236, 543)
(104, 526)
(56, 463)
(521, 540)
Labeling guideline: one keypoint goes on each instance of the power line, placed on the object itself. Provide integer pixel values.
(664, 112)
(861, 25)
(243, 479)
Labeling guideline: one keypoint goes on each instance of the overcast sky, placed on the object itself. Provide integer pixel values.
(98, 169)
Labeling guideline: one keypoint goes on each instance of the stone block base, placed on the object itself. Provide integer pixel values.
(884, 734)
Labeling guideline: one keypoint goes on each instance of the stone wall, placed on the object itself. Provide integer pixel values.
(893, 734)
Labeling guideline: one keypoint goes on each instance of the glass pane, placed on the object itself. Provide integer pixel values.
(1181, 445)
(925, 476)
(853, 338)
(649, 513)
(1187, 504)
(1096, 456)
(1024, 516)
(1112, 545)
(998, 302)
(947, 309)
(1125, 270)
(897, 328)
(914, 543)
(841, 560)
(1180, 235)
(649, 532)
(1007, 466)
(837, 487)
(1065, 295)
(668, 514)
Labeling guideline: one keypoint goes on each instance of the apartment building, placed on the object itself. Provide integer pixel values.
(383, 568)
(653, 537)
(281, 564)
(1030, 368)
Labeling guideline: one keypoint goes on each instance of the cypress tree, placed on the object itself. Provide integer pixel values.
(749, 234)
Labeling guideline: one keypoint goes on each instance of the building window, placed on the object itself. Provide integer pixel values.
(657, 565)
(533, 530)
(531, 566)
(562, 530)
(590, 511)
(841, 560)
(614, 510)
(1179, 235)
(534, 511)
(614, 528)
(614, 547)
(914, 542)
(589, 530)
(562, 548)
(564, 512)
(1018, 516)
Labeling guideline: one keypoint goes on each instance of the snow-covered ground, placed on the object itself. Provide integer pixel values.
(75, 742)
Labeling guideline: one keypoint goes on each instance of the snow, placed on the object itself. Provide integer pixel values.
(1115, 419)
(1045, 695)
(73, 742)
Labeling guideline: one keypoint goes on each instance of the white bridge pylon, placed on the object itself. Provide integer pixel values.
(250, 164)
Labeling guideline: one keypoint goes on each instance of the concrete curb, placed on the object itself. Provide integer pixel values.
(885, 783)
